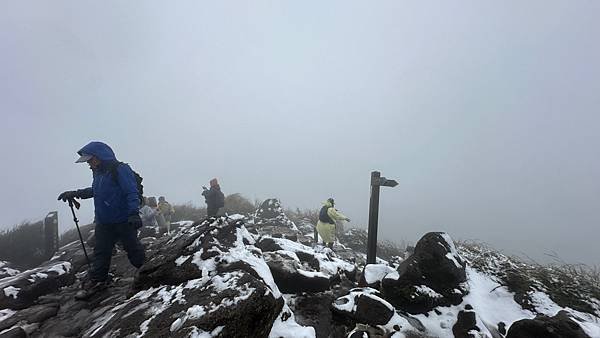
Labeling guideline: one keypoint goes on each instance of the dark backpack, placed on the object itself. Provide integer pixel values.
(324, 216)
(138, 180)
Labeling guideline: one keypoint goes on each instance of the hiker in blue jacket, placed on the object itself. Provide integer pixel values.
(117, 203)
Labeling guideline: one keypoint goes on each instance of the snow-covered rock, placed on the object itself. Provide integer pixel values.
(270, 213)
(432, 276)
(559, 326)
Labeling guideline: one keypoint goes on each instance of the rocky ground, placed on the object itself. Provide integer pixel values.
(261, 276)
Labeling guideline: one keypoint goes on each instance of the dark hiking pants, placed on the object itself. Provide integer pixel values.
(107, 235)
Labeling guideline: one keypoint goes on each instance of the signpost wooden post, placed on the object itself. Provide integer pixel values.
(376, 182)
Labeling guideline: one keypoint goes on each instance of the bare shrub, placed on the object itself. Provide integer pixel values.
(188, 212)
(23, 244)
(238, 204)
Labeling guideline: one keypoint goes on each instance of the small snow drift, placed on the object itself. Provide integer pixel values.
(430, 277)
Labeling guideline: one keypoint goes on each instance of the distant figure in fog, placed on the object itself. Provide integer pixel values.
(149, 212)
(214, 198)
(165, 210)
(326, 224)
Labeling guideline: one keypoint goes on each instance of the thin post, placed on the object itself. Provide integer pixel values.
(71, 202)
(373, 218)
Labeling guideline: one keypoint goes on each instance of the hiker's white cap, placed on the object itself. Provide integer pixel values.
(84, 158)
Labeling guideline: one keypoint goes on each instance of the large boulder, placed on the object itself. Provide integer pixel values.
(298, 268)
(432, 276)
(559, 326)
(292, 276)
(366, 306)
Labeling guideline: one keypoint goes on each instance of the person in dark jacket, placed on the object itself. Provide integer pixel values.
(116, 208)
(214, 198)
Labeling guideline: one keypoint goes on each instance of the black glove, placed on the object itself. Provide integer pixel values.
(67, 195)
(135, 220)
(347, 219)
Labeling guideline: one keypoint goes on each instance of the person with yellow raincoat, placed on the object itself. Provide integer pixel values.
(326, 224)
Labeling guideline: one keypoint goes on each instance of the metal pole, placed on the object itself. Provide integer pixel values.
(373, 218)
(78, 231)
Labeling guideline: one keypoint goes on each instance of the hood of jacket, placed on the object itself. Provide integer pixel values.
(100, 150)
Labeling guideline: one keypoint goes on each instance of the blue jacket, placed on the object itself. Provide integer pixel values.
(114, 200)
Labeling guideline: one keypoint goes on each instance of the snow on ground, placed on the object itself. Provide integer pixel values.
(376, 272)
(286, 326)
(493, 304)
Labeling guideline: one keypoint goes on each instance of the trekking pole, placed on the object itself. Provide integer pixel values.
(71, 203)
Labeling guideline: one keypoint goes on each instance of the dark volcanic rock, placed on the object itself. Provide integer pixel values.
(23, 289)
(364, 305)
(16, 332)
(268, 244)
(232, 304)
(291, 277)
(559, 326)
(208, 279)
(314, 310)
(34, 314)
(466, 324)
(431, 277)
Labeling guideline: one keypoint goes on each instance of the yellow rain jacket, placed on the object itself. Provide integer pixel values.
(326, 229)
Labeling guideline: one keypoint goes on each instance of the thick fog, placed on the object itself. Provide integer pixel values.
(487, 113)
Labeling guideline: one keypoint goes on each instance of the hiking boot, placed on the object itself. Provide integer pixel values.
(91, 288)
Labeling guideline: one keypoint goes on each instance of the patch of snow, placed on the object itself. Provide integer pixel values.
(289, 327)
(543, 303)
(181, 259)
(236, 217)
(425, 290)
(312, 274)
(9, 271)
(377, 272)
(11, 291)
(453, 255)
(6, 313)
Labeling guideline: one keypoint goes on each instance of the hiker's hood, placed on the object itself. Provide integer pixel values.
(327, 203)
(100, 150)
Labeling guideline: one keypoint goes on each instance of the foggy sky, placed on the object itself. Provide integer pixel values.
(485, 112)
